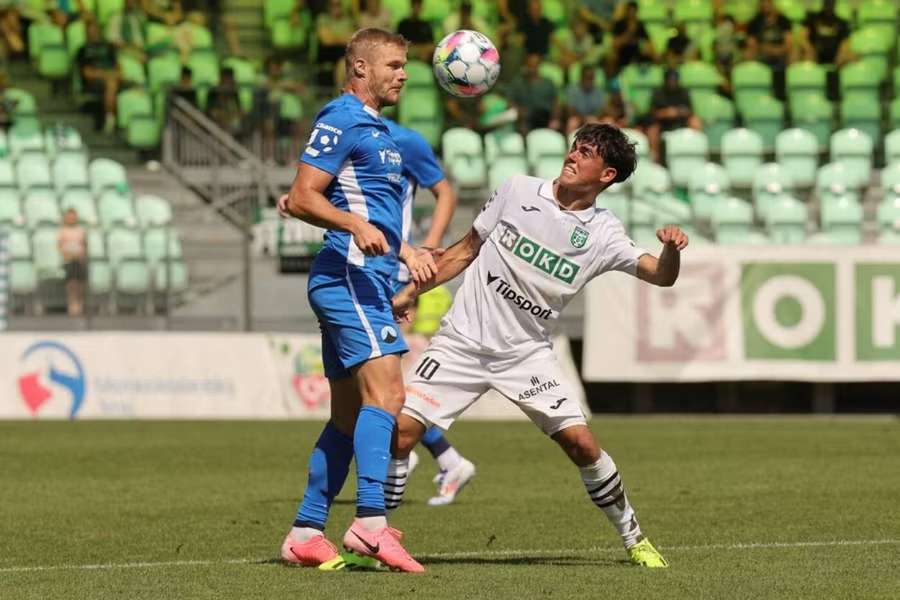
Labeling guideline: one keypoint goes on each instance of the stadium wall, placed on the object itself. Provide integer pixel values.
(186, 376)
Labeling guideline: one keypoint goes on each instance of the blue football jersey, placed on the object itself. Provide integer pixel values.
(350, 141)
(420, 167)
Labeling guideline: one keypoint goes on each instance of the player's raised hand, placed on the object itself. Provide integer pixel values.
(370, 240)
(672, 234)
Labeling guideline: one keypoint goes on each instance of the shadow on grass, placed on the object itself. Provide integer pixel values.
(525, 561)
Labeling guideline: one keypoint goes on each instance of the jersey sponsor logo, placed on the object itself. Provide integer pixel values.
(388, 334)
(390, 156)
(522, 303)
(536, 255)
(538, 387)
(579, 237)
(323, 139)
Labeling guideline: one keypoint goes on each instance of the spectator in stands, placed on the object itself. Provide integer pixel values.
(418, 33)
(574, 45)
(670, 108)
(680, 48)
(584, 100)
(825, 39)
(598, 14)
(464, 19)
(12, 39)
(537, 30)
(770, 41)
(333, 30)
(372, 13)
(223, 104)
(616, 112)
(125, 30)
(275, 85)
(185, 35)
(99, 68)
(185, 88)
(167, 12)
(63, 12)
(72, 243)
(534, 97)
(727, 43)
(631, 43)
(513, 12)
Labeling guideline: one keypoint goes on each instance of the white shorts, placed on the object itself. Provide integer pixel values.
(453, 372)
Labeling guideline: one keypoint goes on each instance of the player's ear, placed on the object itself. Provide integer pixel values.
(359, 68)
(609, 175)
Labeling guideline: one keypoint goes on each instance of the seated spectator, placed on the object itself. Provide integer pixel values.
(185, 88)
(727, 43)
(826, 40)
(418, 33)
(670, 108)
(12, 39)
(167, 12)
(72, 243)
(598, 14)
(333, 30)
(274, 85)
(584, 100)
(223, 104)
(535, 97)
(187, 34)
(680, 48)
(631, 43)
(464, 19)
(575, 45)
(99, 69)
(484, 113)
(616, 112)
(513, 12)
(372, 13)
(537, 30)
(125, 30)
(770, 41)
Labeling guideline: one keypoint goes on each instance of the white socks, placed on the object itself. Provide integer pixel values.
(301, 534)
(604, 486)
(448, 459)
(395, 484)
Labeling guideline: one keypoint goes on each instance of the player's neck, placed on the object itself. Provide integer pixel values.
(358, 88)
(569, 199)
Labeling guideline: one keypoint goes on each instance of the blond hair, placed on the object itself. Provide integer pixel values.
(365, 40)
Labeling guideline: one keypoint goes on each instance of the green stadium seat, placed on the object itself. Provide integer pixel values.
(695, 14)
(115, 209)
(162, 72)
(153, 211)
(25, 138)
(892, 147)
(99, 280)
(836, 180)
(642, 224)
(418, 74)
(543, 142)
(797, 150)
(419, 104)
(18, 243)
(638, 83)
(750, 80)
(24, 103)
(505, 167)
(816, 115)
(274, 10)
(108, 8)
(717, 115)
(41, 208)
(856, 80)
(548, 167)
(708, 185)
(76, 36)
(22, 278)
(803, 79)
(670, 210)
(555, 11)
(41, 35)
(503, 143)
(107, 174)
(653, 14)
(7, 174)
(894, 113)
(54, 62)
(161, 244)
(10, 207)
(33, 171)
(792, 9)
(741, 10)
(878, 14)
(686, 151)
(766, 117)
(617, 200)
(174, 271)
(742, 154)
(63, 140)
(143, 131)
(433, 11)
(123, 244)
(854, 149)
(132, 70)
(862, 113)
(786, 220)
(732, 219)
(554, 73)
(132, 282)
(700, 79)
(772, 181)
(83, 202)
(47, 259)
(288, 36)
(841, 220)
(890, 182)
(641, 143)
(871, 45)
(291, 107)
(575, 75)
(96, 244)
(888, 219)
(70, 171)
(463, 155)
(650, 180)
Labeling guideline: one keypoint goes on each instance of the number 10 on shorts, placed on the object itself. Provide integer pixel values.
(427, 368)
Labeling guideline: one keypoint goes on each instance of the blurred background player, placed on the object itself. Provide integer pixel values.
(532, 248)
(421, 168)
(350, 182)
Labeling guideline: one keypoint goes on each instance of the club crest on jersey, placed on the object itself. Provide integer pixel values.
(579, 237)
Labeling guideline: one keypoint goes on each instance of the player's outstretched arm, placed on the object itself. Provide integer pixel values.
(663, 271)
(449, 264)
(307, 202)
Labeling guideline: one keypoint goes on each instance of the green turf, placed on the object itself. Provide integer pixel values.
(114, 493)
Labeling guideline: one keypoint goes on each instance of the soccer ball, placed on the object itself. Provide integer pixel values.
(466, 63)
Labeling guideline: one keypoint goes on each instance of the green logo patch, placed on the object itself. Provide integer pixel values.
(579, 237)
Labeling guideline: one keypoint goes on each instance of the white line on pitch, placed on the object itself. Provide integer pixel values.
(468, 554)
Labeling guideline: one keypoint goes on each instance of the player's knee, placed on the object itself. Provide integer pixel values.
(409, 432)
(579, 445)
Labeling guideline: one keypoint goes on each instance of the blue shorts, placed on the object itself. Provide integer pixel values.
(354, 312)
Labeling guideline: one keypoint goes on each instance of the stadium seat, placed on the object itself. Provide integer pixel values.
(7, 174)
(161, 244)
(871, 45)
(22, 278)
(10, 207)
(742, 153)
(18, 243)
(750, 80)
(888, 219)
(548, 167)
(686, 151)
(642, 222)
(853, 148)
(107, 174)
(804, 79)
(83, 202)
(650, 180)
(772, 181)
(503, 143)
(894, 113)
(695, 14)
(792, 9)
(123, 243)
(862, 113)
(544, 142)
(642, 144)
(731, 220)
(40, 208)
(162, 72)
(717, 115)
(671, 211)
(285, 35)
(276, 9)
(45, 249)
(841, 220)
(33, 171)
(878, 14)
(41, 34)
(54, 62)
(892, 147)
(76, 36)
(132, 70)
(553, 72)
(836, 180)
(463, 154)
(653, 13)
(24, 104)
(419, 104)
(798, 152)
(786, 220)
(70, 171)
(174, 271)
(765, 116)
(418, 74)
(638, 83)
(96, 244)
(856, 81)
(153, 211)
(815, 114)
(616, 199)
(505, 167)
(708, 185)
(115, 209)
(63, 140)
(700, 78)
(108, 8)
(25, 138)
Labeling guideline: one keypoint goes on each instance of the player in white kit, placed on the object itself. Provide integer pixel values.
(535, 244)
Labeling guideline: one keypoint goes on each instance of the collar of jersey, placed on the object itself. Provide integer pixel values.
(364, 106)
(546, 191)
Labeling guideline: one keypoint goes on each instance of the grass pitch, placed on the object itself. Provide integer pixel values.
(742, 508)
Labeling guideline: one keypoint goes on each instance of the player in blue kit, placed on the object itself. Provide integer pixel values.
(421, 168)
(350, 181)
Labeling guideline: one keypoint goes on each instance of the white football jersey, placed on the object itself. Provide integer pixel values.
(534, 259)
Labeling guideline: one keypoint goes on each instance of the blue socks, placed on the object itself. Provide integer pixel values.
(328, 468)
(372, 446)
(435, 441)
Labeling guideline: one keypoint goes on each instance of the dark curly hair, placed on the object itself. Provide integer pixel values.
(613, 145)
